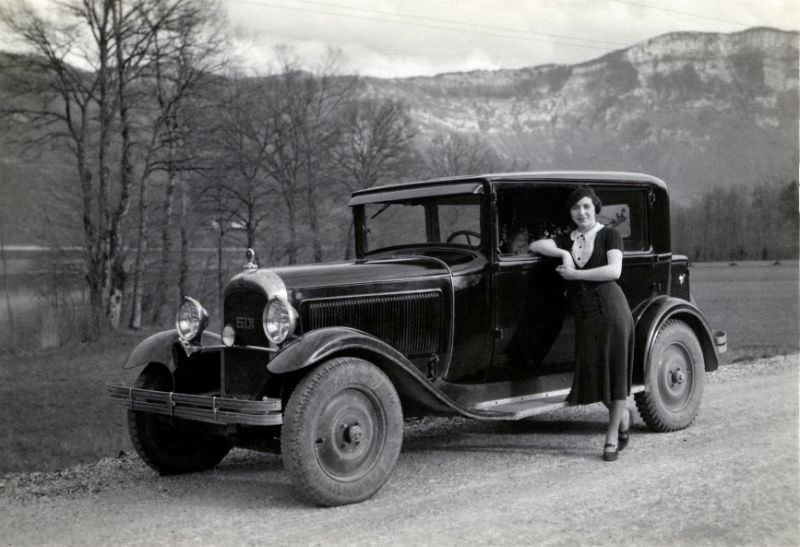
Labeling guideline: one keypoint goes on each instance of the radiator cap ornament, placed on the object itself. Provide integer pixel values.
(251, 263)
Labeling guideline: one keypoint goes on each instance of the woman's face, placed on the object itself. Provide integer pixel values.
(582, 213)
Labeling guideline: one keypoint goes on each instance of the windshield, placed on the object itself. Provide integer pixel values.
(454, 220)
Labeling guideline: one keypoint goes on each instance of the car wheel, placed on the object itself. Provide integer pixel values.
(674, 379)
(342, 432)
(159, 440)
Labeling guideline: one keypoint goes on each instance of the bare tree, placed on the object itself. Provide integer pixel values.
(302, 107)
(243, 142)
(77, 108)
(325, 94)
(186, 50)
(375, 144)
(457, 154)
(96, 62)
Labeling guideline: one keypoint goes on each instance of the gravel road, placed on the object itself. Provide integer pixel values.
(730, 479)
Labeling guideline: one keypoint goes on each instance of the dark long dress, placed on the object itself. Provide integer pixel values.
(603, 329)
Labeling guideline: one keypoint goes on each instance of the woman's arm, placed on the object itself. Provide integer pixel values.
(548, 247)
(610, 272)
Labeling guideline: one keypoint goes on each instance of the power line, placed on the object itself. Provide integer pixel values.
(680, 12)
(468, 26)
(450, 26)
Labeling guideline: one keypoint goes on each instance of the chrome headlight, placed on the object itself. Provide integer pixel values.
(279, 320)
(191, 319)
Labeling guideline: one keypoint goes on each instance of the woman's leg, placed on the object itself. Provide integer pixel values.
(616, 415)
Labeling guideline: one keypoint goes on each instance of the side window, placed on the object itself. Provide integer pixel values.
(532, 212)
(626, 210)
(527, 213)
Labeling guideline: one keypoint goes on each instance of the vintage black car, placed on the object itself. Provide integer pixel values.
(443, 311)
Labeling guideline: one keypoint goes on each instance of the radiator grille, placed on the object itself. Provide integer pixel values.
(411, 323)
(243, 310)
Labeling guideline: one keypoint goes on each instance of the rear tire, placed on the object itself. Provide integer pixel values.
(163, 445)
(674, 379)
(342, 432)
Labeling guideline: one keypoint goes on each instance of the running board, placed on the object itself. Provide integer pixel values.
(525, 406)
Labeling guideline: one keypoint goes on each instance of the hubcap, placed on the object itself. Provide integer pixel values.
(353, 433)
(350, 433)
(675, 376)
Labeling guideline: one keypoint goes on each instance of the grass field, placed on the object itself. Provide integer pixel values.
(56, 412)
(756, 303)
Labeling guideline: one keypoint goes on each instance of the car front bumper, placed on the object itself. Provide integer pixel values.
(200, 408)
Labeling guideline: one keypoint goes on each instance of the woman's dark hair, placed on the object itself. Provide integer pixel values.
(581, 192)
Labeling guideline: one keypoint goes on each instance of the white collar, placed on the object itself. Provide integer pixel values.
(587, 234)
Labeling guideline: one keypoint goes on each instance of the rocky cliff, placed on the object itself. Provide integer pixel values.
(697, 109)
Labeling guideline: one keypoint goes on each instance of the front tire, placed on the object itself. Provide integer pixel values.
(342, 432)
(674, 379)
(162, 445)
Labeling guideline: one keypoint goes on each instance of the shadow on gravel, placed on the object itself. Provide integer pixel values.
(557, 435)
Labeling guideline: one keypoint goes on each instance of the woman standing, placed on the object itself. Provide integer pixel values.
(591, 257)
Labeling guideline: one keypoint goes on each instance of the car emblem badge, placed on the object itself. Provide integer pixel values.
(245, 323)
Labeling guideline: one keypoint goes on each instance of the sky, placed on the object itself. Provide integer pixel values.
(400, 38)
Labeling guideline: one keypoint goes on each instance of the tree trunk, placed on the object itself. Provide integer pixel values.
(292, 233)
(159, 292)
(313, 220)
(11, 339)
(220, 280)
(183, 275)
(138, 267)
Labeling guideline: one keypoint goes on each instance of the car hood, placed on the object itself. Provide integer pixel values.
(359, 273)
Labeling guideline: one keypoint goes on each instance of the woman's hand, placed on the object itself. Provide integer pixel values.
(568, 272)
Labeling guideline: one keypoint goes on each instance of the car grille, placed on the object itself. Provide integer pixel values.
(243, 311)
(411, 322)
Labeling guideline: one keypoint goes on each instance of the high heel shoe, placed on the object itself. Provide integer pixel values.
(610, 452)
(625, 434)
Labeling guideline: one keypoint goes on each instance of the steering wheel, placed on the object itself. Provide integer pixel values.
(468, 235)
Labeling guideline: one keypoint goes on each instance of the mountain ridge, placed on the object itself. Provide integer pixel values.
(635, 108)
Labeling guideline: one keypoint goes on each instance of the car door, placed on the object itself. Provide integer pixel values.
(533, 329)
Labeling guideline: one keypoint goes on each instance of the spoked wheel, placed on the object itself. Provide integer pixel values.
(674, 379)
(161, 443)
(342, 432)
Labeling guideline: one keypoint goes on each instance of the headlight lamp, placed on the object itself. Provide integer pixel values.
(278, 320)
(191, 319)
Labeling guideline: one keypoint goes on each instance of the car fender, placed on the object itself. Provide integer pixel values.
(319, 345)
(650, 315)
(159, 348)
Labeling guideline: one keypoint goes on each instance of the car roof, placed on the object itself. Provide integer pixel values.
(471, 183)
